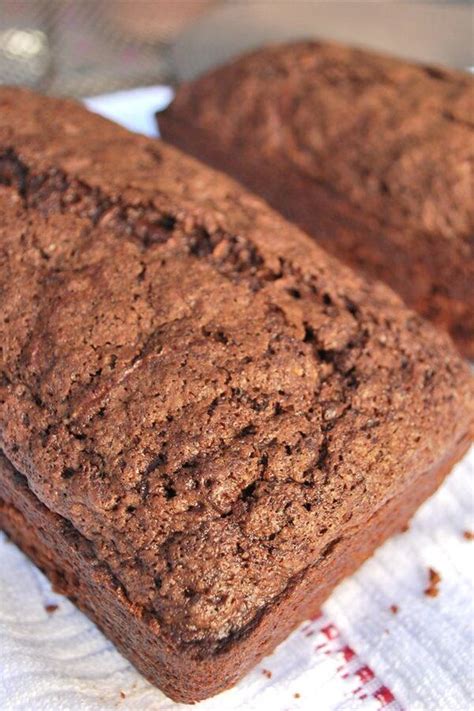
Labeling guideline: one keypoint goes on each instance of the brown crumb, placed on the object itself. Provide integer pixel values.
(50, 609)
(297, 695)
(394, 609)
(434, 580)
(123, 695)
(468, 535)
(405, 528)
(267, 673)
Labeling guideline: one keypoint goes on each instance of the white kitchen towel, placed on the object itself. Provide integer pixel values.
(381, 641)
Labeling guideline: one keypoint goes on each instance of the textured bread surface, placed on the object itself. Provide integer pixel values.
(372, 156)
(66, 557)
(206, 402)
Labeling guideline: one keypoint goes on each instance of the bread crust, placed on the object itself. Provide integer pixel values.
(65, 557)
(371, 155)
(206, 400)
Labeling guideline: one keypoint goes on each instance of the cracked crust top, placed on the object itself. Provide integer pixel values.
(209, 398)
(375, 128)
(371, 155)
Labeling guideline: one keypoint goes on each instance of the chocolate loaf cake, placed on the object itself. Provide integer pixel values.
(372, 156)
(205, 420)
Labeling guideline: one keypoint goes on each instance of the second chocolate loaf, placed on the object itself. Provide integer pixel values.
(370, 155)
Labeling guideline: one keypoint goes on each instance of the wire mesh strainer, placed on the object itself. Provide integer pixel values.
(85, 47)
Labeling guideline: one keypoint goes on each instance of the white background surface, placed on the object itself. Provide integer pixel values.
(357, 655)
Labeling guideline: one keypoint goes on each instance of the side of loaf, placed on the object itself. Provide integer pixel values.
(205, 420)
(372, 156)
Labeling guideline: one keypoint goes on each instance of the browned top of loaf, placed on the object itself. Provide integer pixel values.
(206, 395)
(396, 139)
